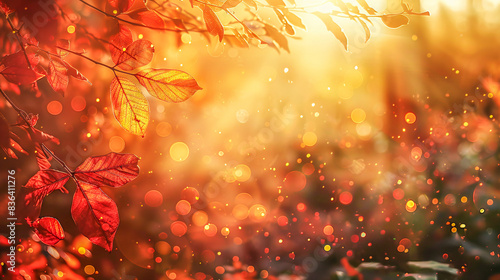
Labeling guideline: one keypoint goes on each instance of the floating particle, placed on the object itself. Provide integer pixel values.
(301, 207)
(242, 116)
(309, 138)
(398, 194)
(89, 269)
(78, 103)
(54, 107)
(163, 129)
(257, 212)
(410, 118)
(210, 230)
(358, 115)
(411, 206)
(225, 231)
(295, 181)
(345, 198)
(242, 172)
(153, 198)
(200, 218)
(179, 151)
(240, 211)
(183, 207)
(163, 248)
(282, 221)
(190, 194)
(328, 230)
(178, 228)
(116, 144)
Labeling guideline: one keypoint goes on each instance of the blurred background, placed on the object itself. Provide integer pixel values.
(287, 162)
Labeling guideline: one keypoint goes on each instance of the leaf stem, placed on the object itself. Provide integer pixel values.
(23, 115)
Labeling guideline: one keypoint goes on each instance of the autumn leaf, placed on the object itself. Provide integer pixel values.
(95, 214)
(62, 45)
(130, 107)
(49, 230)
(57, 76)
(277, 36)
(251, 3)
(231, 4)
(333, 27)
(137, 54)
(366, 29)
(119, 41)
(395, 21)
(294, 19)
(73, 72)
(367, 8)
(20, 75)
(119, 6)
(31, 195)
(4, 132)
(147, 18)
(168, 85)
(214, 26)
(112, 170)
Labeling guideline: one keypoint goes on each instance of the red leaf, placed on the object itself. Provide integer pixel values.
(40, 136)
(137, 54)
(73, 72)
(49, 230)
(112, 170)
(214, 26)
(119, 41)
(120, 6)
(4, 132)
(58, 76)
(95, 215)
(18, 59)
(20, 75)
(147, 18)
(42, 159)
(62, 45)
(38, 187)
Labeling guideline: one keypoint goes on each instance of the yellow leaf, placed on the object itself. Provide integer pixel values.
(168, 85)
(130, 106)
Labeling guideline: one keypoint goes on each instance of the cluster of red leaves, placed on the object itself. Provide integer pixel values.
(94, 213)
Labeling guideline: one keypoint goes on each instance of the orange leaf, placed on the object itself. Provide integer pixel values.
(130, 107)
(112, 170)
(333, 27)
(117, 7)
(147, 18)
(137, 54)
(119, 42)
(214, 26)
(168, 85)
(95, 214)
(58, 76)
(49, 230)
(395, 21)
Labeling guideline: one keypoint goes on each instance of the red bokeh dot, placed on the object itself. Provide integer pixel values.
(178, 228)
(153, 198)
(295, 181)
(345, 197)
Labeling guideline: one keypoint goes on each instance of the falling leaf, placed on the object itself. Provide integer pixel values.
(119, 6)
(58, 76)
(95, 214)
(130, 107)
(333, 27)
(119, 41)
(49, 230)
(148, 18)
(395, 21)
(38, 187)
(112, 170)
(214, 26)
(137, 54)
(168, 85)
